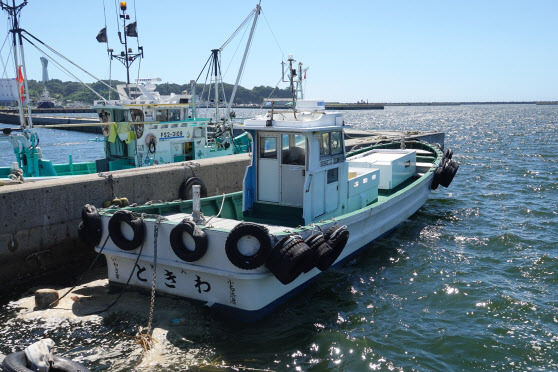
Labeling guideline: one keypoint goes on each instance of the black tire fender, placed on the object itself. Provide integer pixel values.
(177, 242)
(436, 178)
(336, 237)
(449, 173)
(319, 246)
(90, 228)
(135, 221)
(289, 258)
(448, 154)
(248, 262)
(185, 191)
(17, 362)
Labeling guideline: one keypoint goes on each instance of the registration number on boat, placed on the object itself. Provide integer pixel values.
(177, 133)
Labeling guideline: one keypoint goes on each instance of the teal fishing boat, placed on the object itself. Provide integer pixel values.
(141, 128)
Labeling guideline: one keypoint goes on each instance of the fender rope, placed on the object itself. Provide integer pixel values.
(85, 273)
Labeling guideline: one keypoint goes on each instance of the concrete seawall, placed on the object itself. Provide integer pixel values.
(38, 221)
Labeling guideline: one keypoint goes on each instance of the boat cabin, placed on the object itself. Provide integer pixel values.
(146, 134)
(299, 172)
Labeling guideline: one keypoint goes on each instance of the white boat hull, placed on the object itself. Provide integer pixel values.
(217, 283)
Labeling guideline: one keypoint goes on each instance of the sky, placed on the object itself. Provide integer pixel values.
(379, 51)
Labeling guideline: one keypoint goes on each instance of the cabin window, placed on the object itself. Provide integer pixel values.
(174, 115)
(324, 144)
(268, 147)
(161, 115)
(336, 143)
(332, 175)
(293, 149)
(331, 143)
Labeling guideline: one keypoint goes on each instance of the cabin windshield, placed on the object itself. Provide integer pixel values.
(293, 149)
(331, 143)
(167, 115)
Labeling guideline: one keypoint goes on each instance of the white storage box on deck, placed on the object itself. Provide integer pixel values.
(396, 166)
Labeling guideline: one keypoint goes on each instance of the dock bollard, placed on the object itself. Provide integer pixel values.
(402, 142)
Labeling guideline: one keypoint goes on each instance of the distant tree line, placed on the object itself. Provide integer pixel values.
(70, 91)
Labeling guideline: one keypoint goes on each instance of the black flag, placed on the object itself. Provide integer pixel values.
(102, 36)
(131, 30)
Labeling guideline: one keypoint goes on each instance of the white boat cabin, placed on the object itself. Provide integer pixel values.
(299, 168)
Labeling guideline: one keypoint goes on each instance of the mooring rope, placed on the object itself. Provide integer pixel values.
(84, 274)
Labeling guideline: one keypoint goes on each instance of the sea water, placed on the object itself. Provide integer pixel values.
(469, 282)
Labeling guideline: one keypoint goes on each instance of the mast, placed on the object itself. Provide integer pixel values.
(241, 69)
(126, 56)
(13, 12)
(217, 74)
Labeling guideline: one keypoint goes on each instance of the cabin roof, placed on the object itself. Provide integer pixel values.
(307, 121)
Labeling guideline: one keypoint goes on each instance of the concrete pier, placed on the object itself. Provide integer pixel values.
(38, 220)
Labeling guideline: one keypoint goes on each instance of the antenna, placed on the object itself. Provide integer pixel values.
(44, 62)
(127, 57)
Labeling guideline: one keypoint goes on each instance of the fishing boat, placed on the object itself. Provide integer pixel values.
(141, 127)
(306, 205)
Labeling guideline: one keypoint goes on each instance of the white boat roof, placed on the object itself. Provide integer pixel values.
(303, 121)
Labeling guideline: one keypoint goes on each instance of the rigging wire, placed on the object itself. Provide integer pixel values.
(137, 40)
(222, 85)
(270, 94)
(9, 53)
(238, 29)
(272, 33)
(108, 47)
(65, 69)
(236, 50)
(7, 60)
(65, 58)
(117, 15)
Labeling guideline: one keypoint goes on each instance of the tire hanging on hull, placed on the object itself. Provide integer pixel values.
(198, 236)
(135, 221)
(252, 232)
(90, 228)
(290, 257)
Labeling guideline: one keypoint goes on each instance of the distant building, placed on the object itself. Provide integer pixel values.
(44, 63)
(8, 91)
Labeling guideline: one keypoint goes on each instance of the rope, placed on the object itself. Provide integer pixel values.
(220, 210)
(85, 273)
(110, 179)
(123, 289)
